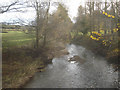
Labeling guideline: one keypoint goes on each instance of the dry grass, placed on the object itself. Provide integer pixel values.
(20, 64)
(16, 71)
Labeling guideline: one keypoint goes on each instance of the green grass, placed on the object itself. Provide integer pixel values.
(16, 38)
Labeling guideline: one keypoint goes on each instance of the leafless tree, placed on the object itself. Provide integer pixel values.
(42, 11)
(15, 6)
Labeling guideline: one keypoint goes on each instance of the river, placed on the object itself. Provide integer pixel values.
(95, 72)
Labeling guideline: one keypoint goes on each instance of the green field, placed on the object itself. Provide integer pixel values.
(16, 39)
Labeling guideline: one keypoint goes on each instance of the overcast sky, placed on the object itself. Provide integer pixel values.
(72, 6)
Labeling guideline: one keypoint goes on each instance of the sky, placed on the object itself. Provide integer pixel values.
(72, 6)
(29, 15)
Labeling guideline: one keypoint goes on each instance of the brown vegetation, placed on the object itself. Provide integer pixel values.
(20, 64)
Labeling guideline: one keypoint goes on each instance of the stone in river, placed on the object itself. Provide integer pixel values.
(77, 58)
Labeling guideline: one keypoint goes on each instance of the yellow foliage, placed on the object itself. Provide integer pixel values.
(103, 12)
(101, 30)
(118, 24)
(94, 38)
(116, 50)
(106, 14)
(115, 29)
(109, 15)
(96, 33)
(106, 42)
(113, 16)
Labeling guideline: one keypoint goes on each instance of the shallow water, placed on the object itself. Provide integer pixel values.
(95, 72)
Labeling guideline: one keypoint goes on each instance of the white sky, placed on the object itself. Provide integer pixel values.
(72, 6)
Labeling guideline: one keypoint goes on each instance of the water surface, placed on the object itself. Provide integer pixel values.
(95, 72)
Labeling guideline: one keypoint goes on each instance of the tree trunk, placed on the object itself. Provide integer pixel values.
(45, 29)
(105, 18)
(37, 27)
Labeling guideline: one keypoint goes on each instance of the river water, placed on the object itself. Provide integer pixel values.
(95, 72)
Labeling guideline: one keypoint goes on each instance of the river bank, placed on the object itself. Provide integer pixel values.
(20, 64)
(112, 55)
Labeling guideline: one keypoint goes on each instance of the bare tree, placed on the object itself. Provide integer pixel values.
(42, 10)
(46, 22)
(15, 6)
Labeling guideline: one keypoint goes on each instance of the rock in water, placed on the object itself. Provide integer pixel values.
(77, 58)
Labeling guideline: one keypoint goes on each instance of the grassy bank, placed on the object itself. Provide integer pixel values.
(18, 66)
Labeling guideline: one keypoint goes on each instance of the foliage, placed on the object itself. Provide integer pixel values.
(108, 15)
(100, 29)
(82, 22)
(59, 26)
